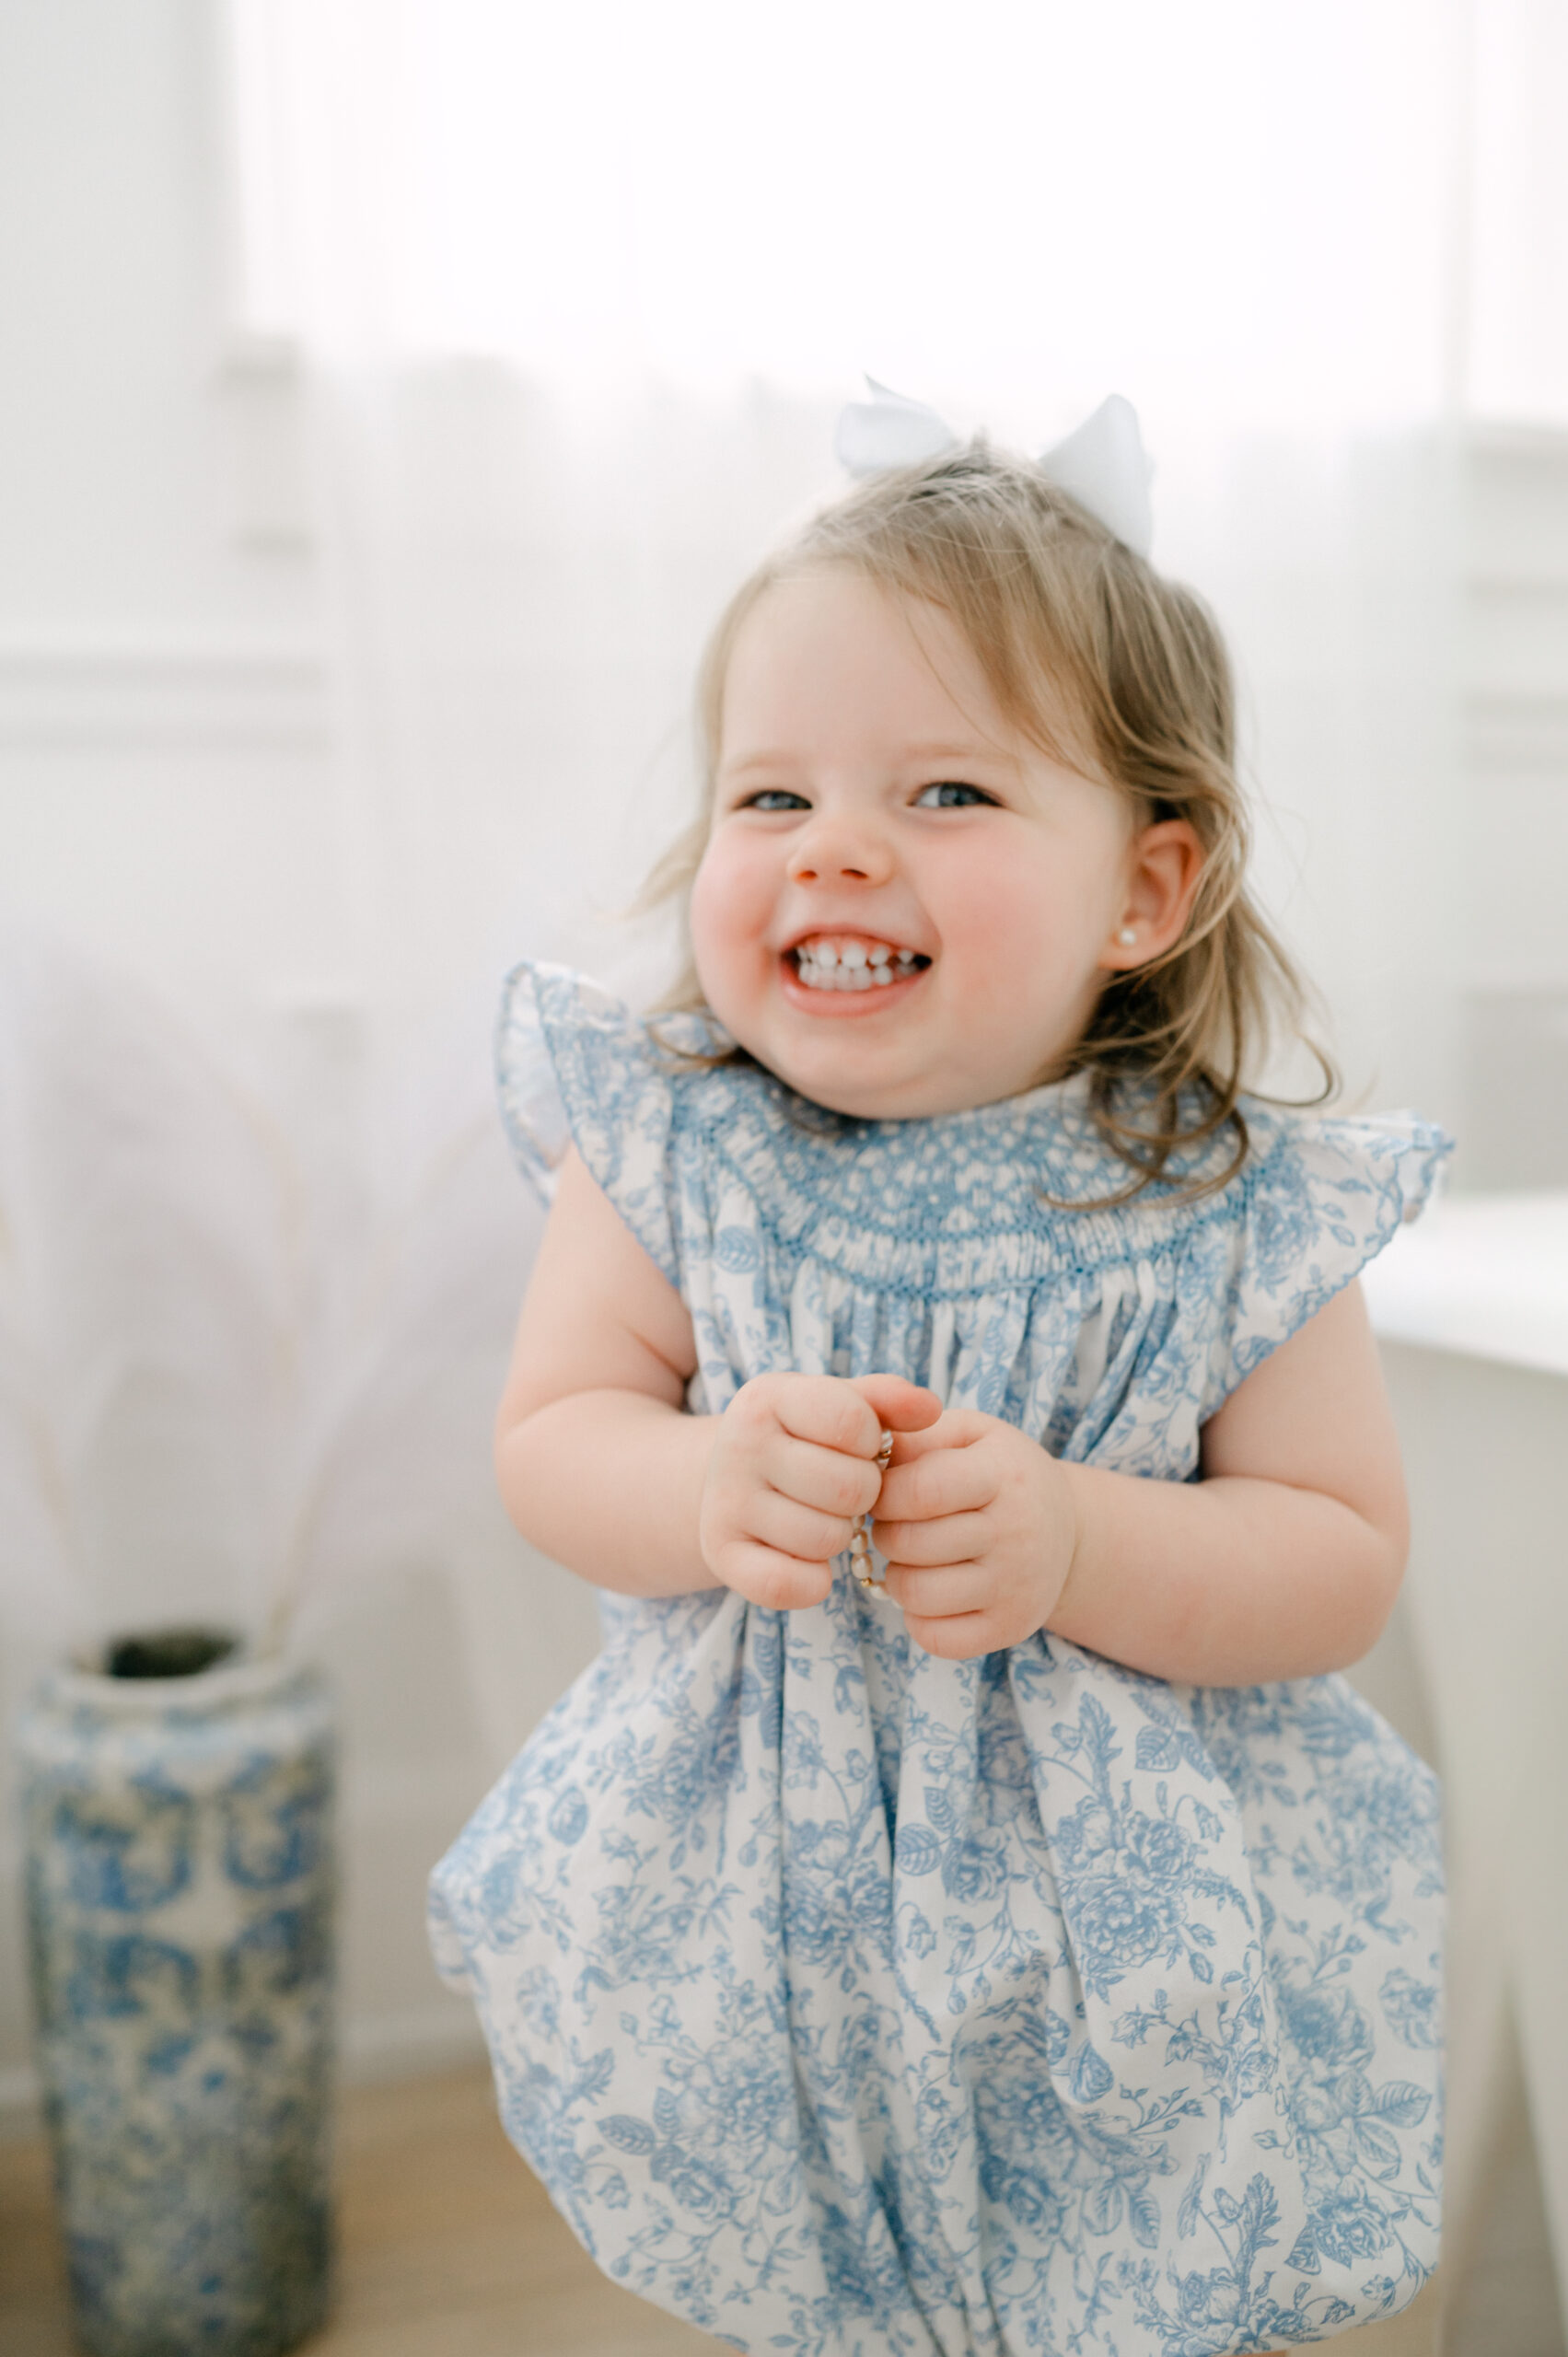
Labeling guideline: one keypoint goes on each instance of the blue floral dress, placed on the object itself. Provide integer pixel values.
(855, 2003)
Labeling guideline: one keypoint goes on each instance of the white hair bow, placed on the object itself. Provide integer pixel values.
(1101, 465)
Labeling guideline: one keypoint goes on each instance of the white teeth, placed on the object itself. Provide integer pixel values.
(829, 965)
(851, 965)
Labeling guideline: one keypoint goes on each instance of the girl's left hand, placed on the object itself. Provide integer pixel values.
(978, 1527)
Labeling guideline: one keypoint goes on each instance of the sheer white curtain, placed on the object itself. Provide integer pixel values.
(1239, 209)
(581, 290)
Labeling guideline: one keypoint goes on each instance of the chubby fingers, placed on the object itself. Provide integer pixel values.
(899, 1407)
(826, 1409)
(955, 1428)
(794, 1469)
(783, 1510)
(954, 1636)
(765, 1575)
(933, 1530)
(943, 1593)
(816, 1449)
(923, 1493)
(794, 1466)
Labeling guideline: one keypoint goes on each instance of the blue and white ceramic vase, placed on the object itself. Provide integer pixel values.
(180, 1904)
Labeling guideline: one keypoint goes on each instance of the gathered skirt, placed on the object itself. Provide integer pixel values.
(856, 2004)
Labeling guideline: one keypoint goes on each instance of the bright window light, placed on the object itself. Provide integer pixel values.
(1225, 201)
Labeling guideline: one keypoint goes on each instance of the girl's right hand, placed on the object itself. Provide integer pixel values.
(793, 1466)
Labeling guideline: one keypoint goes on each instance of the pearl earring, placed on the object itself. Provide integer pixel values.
(1128, 936)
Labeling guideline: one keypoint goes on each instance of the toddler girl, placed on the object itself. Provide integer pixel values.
(1009, 1937)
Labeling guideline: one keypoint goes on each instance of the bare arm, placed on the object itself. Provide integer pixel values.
(1283, 1560)
(597, 1462)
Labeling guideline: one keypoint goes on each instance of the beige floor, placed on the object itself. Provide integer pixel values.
(449, 2249)
(447, 2245)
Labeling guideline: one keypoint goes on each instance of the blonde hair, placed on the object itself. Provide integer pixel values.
(1087, 652)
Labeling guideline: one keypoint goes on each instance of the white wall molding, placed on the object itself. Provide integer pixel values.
(1517, 598)
(1510, 733)
(261, 393)
(440, 2036)
(1504, 441)
(21, 2101)
(91, 691)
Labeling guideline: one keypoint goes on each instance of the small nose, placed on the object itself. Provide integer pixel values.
(839, 850)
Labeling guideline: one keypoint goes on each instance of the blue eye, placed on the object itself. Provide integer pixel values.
(951, 795)
(775, 797)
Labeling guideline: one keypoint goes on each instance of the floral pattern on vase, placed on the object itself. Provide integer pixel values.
(856, 2004)
(181, 1894)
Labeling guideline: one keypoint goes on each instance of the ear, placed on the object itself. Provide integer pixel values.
(1164, 865)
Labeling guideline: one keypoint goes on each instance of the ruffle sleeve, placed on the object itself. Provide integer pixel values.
(577, 1067)
(1320, 1199)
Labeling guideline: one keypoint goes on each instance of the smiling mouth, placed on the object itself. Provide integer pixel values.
(852, 962)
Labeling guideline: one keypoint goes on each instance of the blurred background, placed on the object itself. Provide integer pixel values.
(393, 390)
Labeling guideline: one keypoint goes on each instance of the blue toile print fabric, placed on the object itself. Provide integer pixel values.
(855, 2003)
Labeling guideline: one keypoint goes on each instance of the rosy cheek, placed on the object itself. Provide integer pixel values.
(728, 915)
(1021, 924)
(992, 904)
(705, 921)
(705, 907)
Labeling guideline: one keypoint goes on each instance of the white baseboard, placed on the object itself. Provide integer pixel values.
(82, 690)
(20, 2109)
(403, 2046)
